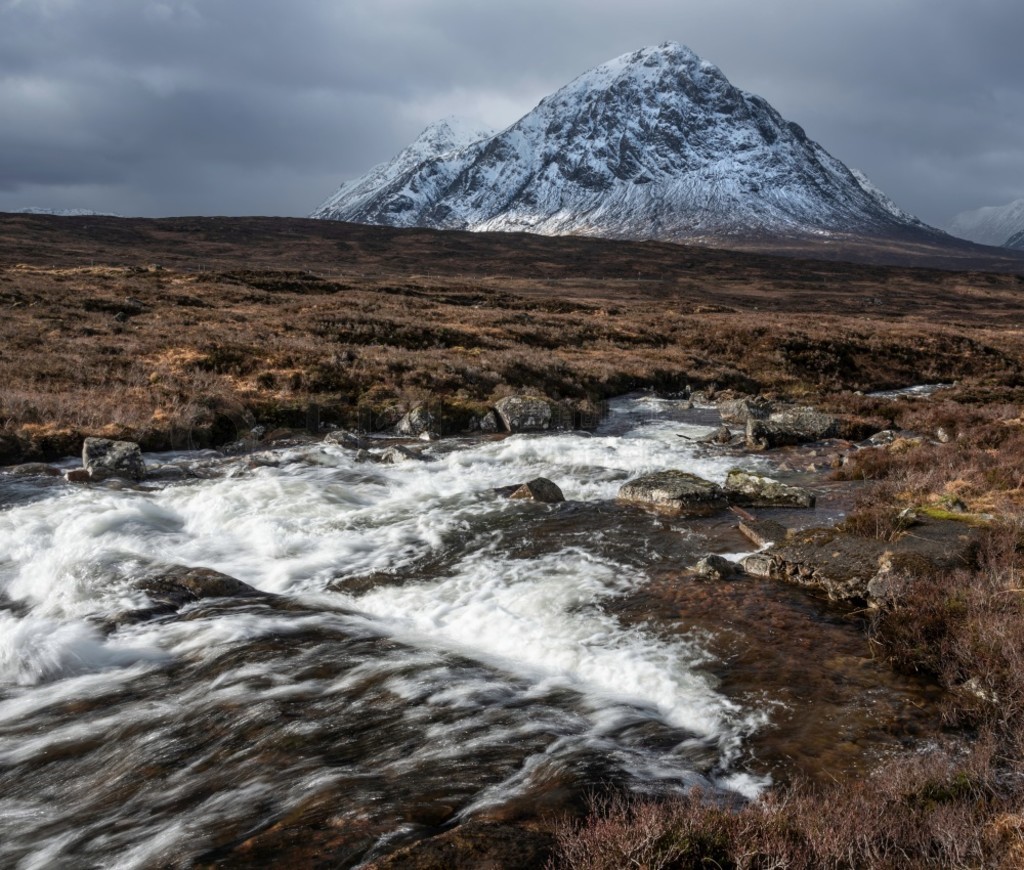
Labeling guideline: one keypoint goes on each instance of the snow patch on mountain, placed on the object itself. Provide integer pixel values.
(991, 224)
(655, 144)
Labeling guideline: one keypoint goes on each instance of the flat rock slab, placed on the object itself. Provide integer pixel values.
(849, 568)
(754, 490)
(763, 533)
(676, 492)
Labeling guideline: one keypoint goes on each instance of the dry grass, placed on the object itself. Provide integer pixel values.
(938, 810)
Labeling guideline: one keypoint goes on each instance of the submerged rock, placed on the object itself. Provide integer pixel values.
(675, 491)
(113, 458)
(524, 413)
(850, 568)
(539, 489)
(33, 469)
(763, 533)
(754, 490)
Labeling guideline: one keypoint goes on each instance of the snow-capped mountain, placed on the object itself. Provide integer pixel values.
(990, 225)
(654, 144)
(1016, 241)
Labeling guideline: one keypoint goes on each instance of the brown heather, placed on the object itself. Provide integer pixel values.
(257, 319)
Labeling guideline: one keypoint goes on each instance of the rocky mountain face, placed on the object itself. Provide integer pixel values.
(656, 144)
(992, 225)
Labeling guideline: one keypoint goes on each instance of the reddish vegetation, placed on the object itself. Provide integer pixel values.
(257, 319)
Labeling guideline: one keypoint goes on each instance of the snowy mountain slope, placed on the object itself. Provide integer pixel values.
(990, 225)
(1016, 241)
(440, 140)
(654, 144)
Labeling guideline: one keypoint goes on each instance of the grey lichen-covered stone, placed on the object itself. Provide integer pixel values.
(524, 413)
(118, 458)
(676, 492)
(416, 422)
(348, 440)
(490, 423)
(747, 408)
(754, 490)
(758, 565)
(793, 425)
(715, 568)
(539, 489)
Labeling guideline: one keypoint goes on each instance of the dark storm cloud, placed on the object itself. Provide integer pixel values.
(260, 106)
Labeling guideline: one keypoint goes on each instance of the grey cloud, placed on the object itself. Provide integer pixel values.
(241, 106)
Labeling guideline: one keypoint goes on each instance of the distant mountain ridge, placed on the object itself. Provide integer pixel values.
(65, 212)
(998, 225)
(656, 144)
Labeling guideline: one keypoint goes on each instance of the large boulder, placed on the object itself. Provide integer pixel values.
(792, 425)
(675, 492)
(104, 458)
(524, 413)
(416, 422)
(182, 585)
(753, 490)
(539, 489)
(747, 408)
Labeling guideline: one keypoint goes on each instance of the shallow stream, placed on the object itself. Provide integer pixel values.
(430, 652)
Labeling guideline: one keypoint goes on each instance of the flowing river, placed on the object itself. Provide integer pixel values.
(427, 652)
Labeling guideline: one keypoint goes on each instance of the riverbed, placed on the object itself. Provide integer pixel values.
(426, 651)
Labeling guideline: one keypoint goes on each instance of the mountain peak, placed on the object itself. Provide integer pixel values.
(655, 143)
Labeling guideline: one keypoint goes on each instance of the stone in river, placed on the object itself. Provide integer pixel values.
(676, 492)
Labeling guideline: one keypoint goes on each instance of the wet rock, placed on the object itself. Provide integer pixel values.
(539, 489)
(87, 475)
(794, 425)
(120, 458)
(348, 440)
(166, 473)
(475, 845)
(181, 585)
(675, 492)
(417, 422)
(763, 533)
(746, 408)
(398, 454)
(753, 490)
(524, 413)
(715, 568)
(722, 435)
(33, 469)
(849, 568)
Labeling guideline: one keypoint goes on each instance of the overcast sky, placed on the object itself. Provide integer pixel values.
(170, 107)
